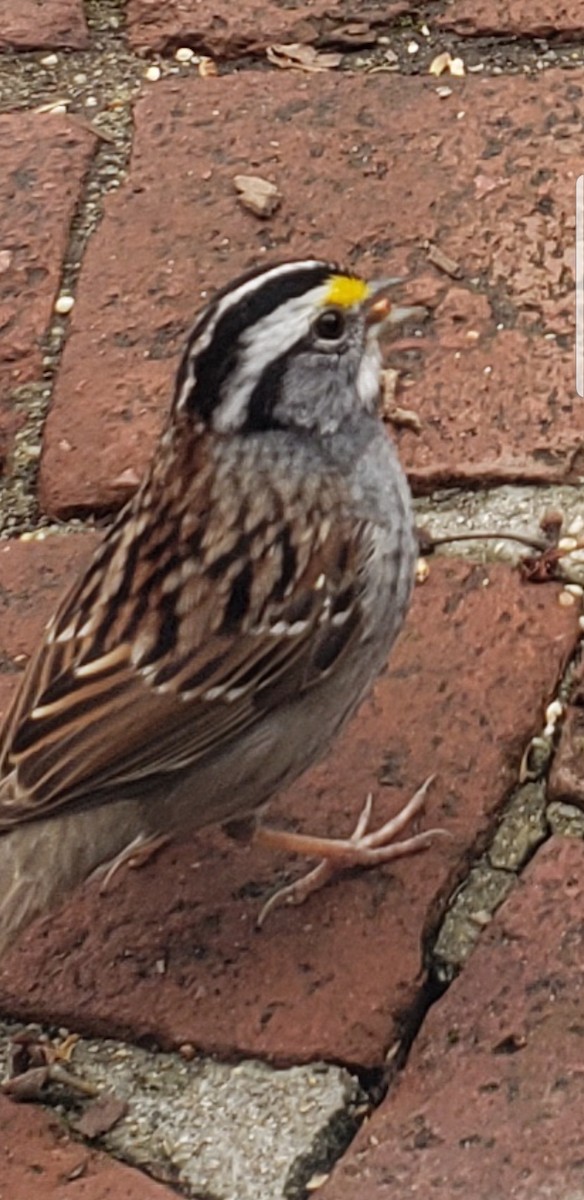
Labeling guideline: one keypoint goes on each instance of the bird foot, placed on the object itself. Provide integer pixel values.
(361, 849)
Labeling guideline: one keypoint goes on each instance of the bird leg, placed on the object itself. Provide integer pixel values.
(137, 853)
(361, 849)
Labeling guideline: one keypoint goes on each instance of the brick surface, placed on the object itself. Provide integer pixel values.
(44, 158)
(172, 953)
(40, 1161)
(225, 30)
(369, 167)
(42, 24)
(33, 575)
(490, 1102)
(512, 18)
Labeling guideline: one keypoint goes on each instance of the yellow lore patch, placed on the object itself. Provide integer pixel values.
(346, 290)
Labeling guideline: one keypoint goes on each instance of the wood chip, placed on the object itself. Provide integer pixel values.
(298, 57)
(207, 67)
(400, 418)
(389, 378)
(443, 261)
(258, 195)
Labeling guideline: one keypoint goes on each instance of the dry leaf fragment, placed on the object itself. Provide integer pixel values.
(100, 1116)
(57, 105)
(302, 58)
(258, 195)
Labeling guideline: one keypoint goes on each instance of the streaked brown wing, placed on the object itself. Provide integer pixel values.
(156, 660)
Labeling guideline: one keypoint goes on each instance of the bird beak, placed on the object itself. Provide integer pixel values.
(380, 310)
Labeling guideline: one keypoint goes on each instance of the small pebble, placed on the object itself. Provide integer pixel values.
(152, 74)
(413, 47)
(575, 589)
(184, 54)
(566, 600)
(566, 544)
(50, 60)
(64, 304)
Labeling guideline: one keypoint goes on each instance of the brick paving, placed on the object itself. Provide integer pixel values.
(514, 18)
(220, 29)
(38, 24)
(39, 1158)
(44, 160)
(372, 168)
(413, 172)
(476, 639)
(489, 1104)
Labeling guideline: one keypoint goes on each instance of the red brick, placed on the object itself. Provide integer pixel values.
(42, 24)
(39, 1161)
(467, 687)
(33, 576)
(44, 159)
(490, 1102)
(369, 168)
(225, 30)
(513, 18)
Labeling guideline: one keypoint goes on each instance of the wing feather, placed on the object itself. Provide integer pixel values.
(100, 714)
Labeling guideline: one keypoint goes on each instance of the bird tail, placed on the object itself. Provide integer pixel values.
(41, 862)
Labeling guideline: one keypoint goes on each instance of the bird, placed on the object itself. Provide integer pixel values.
(236, 612)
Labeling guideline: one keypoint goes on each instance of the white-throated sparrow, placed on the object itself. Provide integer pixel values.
(238, 609)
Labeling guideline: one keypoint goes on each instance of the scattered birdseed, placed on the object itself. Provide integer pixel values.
(64, 304)
(553, 712)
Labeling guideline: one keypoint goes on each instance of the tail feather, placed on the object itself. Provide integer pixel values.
(41, 862)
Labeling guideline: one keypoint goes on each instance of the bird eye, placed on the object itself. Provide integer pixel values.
(330, 325)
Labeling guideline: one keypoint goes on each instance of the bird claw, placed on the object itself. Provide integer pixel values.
(361, 849)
